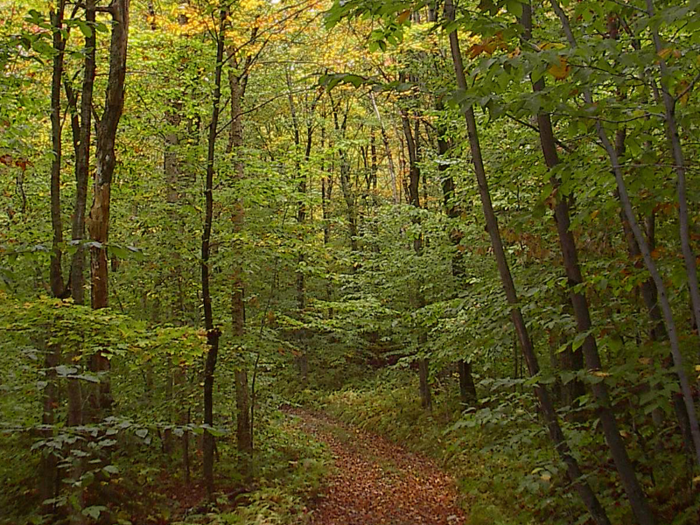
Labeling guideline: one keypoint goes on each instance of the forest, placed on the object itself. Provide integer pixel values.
(349, 262)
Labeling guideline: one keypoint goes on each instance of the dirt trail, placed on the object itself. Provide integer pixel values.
(377, 482)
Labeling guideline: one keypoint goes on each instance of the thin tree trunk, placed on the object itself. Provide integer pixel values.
(571, 359)
(49, 483)
(374, 166)
(467, 389)
(326, 193)
(301, 205)
(387, 149)
(657, 330)
(244, 430)
(573, 470)
(81, 124)
(616, 444)
(186, 449)
(345, 182)
(56, 274)
(82, 159)
(414, 200)
(243, 409)
(674, 140)
(213, 333)
(646, 253)
(49, 473)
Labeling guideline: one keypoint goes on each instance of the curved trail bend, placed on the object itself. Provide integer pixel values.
(376, 482)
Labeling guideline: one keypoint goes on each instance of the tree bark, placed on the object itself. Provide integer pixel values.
(82, 159)
(414, 200)
(213, 333)
(571, 359)
(467, 389)
(56, 273)
(648, 260)
(674, 140)
(105, 162)
(618, 450)
(49, 483)
(345, 182)
(573, 470)
(244, 429)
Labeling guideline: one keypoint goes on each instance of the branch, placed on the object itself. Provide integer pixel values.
(559, 143)
(109, 9)
(688, 89)
(262, 104)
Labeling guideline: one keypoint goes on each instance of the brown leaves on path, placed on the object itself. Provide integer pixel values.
(377, 482)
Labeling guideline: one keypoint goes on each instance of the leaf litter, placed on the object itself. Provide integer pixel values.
(377, 482)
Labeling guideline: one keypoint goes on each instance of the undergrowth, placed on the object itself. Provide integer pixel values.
(149, 487)
(290, 473)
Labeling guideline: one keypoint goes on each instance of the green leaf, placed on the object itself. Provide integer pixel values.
(94, 511)
(514, 7)
(85, 28)
(110, 470)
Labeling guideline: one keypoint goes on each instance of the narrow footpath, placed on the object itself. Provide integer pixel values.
(376, 482)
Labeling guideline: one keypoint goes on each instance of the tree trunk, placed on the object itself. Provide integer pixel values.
(302, 359)
(649, 293)
(105, 162)
(81, 124)
(570, 359)
(326, 193)
(573, 470)
(82, 159)
(244, 430)
(467, 389)
(419, 300)
(345, 182)
(56, 273)
(49, 482)
(244, 434)
(213, 334)
(387, 149)
(616, 444)
(674, 140)
(648, 260)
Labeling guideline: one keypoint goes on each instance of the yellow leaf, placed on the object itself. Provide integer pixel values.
(665, 53)
(561, 70)
(682, 90)
(551, 45)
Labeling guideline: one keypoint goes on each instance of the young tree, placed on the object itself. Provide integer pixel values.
(575, 474)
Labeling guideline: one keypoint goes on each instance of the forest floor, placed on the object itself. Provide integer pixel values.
(377, 482)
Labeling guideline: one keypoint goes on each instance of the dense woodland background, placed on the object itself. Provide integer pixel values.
(470, 226)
